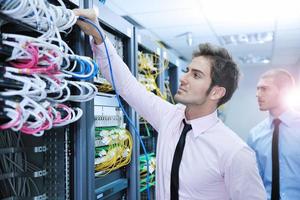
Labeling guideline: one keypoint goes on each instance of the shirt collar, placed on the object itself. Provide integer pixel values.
(202, 124)
(286, 118)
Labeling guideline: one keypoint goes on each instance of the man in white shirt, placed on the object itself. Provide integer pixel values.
(198, 157)
(276, 139)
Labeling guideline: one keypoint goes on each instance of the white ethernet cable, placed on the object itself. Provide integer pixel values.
(39, 110)
(67, 95)
(62, 53)
(76, 113)
(29, 88)
(82, 86)
(46, 17)
(44, 47)
(55, 87)
(31, 12)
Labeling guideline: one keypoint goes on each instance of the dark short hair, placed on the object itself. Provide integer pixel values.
(224, 71)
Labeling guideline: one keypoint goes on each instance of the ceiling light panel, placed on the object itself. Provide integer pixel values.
(250, 38)
(254, 59)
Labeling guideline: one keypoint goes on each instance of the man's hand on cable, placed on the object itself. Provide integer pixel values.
(87, 28)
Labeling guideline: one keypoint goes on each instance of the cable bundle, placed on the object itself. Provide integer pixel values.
(115, 150)
(34, 118)
(48, 56)
(42, 69)
(143, 171)
(45, 17)
(148, 71)
(53, 64)
(121, 106)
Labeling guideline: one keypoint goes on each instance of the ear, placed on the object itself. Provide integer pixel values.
(217, 93)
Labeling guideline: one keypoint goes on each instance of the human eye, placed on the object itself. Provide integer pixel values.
(263, 89)
(197, 75)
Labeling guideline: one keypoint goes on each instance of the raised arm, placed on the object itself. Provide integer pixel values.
(148, 105)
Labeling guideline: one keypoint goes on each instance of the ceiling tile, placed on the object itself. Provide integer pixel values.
(293, 22)
(183, 17)
(182, 47)
(207, 19)
(235, 27)
(286, 58)
(173, 32)
(264, 49)
(289, 15)
(287, 39)
(287, 47)
(140, 6)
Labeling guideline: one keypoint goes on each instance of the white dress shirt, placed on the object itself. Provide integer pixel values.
(216, 163)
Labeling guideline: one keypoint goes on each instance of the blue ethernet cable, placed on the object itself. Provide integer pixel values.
(85, 68)
(119, 101)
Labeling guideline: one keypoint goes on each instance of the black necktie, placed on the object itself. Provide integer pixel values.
(176, 161)
(275, 162)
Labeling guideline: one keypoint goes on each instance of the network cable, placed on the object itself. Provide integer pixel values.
(119, 101)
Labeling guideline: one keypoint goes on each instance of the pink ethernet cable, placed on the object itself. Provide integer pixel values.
(31, 66)
(25, 128)
(30, 131)
(59, 120)
(27, 63)
(13, 122)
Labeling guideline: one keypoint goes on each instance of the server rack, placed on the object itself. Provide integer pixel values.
(121, 183)
(149, 56)
(69, 151)
(170, 67)
(57, 156)
(172, 73)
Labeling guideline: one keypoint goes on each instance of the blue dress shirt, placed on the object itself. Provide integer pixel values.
(289, 153)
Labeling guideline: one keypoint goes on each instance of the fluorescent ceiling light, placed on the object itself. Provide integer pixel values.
(251, 59)
(251, 38)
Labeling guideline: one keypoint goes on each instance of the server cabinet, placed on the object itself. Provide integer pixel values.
(120, 183)
(49, 166)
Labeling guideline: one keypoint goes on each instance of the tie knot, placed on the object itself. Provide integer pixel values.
(186, 125)
(276, 122)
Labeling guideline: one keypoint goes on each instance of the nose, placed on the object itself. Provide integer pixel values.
(258, 93)
(183, 79)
